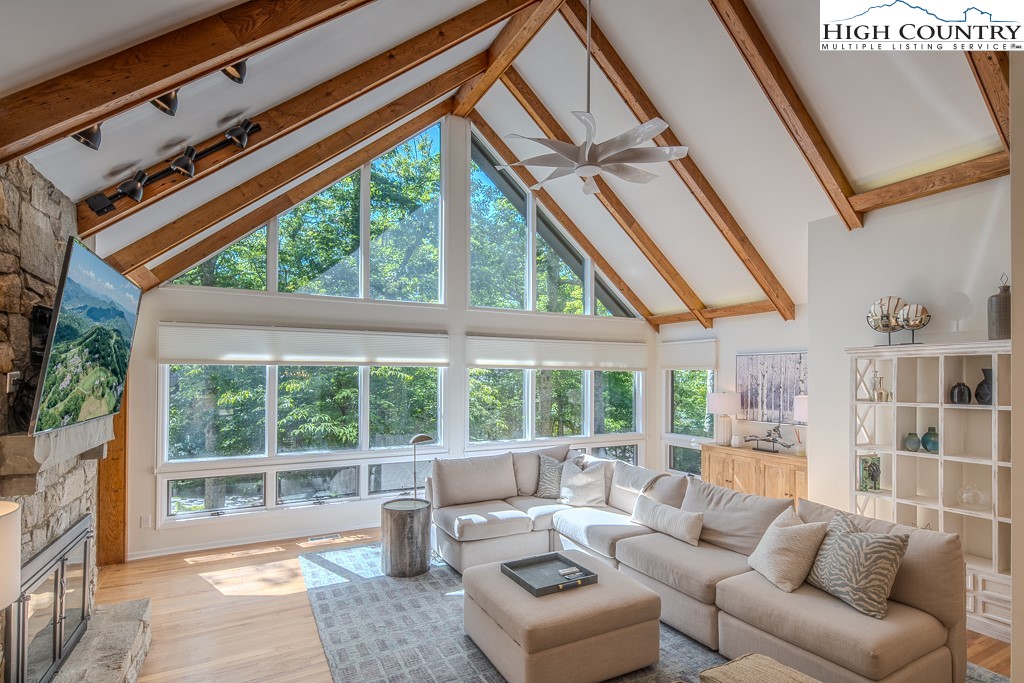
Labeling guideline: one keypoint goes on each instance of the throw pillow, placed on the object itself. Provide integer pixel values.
(787, 550)
(668, 520)
(549, 483)
(582, 485)
(858, 567)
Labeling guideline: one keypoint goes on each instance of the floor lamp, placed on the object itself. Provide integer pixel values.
(418, 439)
(724, 405)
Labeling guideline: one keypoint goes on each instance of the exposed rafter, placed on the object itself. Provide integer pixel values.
(143, 277)
(270, 181)
(752, 44)
(636, 98)
(959, 175)
(992, 71)
(316, 102)
(714, 313)
(549, 125)
(559, 215)
(46, 112)
(512, 39)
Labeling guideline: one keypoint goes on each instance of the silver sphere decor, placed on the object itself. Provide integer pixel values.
(913, 317)
(882, 315)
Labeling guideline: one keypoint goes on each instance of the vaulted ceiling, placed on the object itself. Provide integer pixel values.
(881, 118)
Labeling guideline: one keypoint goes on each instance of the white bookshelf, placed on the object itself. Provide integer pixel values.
(921, 488)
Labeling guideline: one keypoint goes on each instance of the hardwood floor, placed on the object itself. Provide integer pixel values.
(241, 614)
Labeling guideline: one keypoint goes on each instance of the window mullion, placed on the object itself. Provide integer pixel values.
(272, 254)
(364, 408)
(530, 404)
(271, 403)
(589, 290)
(589, 400)
(364, 232)
(531, 252)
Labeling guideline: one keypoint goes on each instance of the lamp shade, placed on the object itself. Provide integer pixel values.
(724, 403)
(800, 408)
(10, 553)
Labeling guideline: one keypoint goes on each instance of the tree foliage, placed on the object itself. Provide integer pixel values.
(690, 390)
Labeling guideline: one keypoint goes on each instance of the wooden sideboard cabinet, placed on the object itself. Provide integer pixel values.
(776, 475)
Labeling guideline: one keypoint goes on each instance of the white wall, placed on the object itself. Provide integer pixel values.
(1017, 377)
(924, 250)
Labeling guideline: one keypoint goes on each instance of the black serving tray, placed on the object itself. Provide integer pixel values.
(539, 575)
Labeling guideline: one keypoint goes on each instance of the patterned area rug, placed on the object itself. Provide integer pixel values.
(377, 628)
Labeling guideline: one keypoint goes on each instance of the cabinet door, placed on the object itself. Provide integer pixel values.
(718, 470)
(801, 483)
(777, 479)
(744, 474)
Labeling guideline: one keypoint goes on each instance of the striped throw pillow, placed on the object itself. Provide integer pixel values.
(549, 483)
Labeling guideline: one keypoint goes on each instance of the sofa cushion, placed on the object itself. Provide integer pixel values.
(469, 480)
(787, 550)
(668, 520)
(526, 465)
(597, 528)
(732, 520)
(694, 571)
(815, 621)
(582, 483)
(933, 572)
(487, 519)
(668, 490)
(628, 482)
(540, 510)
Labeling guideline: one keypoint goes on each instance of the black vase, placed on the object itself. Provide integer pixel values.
(983, 392)
(960, 394)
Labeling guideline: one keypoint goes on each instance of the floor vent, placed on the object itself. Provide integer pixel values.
(327, 537)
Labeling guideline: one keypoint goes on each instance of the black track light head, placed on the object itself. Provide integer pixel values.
(90, 137)
(185, 164)
(236, 72)
(239, 135)
(167, 103)
(132, 187)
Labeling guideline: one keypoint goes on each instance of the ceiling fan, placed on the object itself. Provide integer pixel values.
(613, 156)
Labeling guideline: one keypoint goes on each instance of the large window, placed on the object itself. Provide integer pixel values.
(317, 408)
(216, 495)
(216, 411)
(243, 265)
(496, 405)
(403, 403)
(559, 395)
(614, 402)
(519, 257)
(689, 424)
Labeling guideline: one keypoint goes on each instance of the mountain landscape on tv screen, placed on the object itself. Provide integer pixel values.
(85, 373)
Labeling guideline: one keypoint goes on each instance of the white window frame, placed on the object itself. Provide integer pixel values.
(670, 438)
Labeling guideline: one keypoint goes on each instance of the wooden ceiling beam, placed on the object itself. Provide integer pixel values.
(513, 38)
(752, 308)
(633, 94)
(272, 180)
(548, 202)
(551, 128)
(46, 112)
(992, 72)
(763, 63)
(950, 178)
(314, 103)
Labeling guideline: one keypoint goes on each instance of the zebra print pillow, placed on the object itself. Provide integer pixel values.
(549, 484)
(857, 567)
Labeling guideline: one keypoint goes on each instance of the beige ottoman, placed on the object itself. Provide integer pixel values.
(583, 635)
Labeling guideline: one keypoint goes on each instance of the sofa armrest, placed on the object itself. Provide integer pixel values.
(428, 490)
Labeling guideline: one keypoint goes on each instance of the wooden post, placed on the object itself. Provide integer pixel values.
(112, 495)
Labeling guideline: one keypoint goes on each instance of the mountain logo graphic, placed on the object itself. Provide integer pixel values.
(970, 15)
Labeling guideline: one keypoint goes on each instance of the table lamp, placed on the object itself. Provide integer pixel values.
(799, 415)
(418, 439)
(724, 405)
(10, 553)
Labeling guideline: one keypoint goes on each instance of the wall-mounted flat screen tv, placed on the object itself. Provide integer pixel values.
(89, 344)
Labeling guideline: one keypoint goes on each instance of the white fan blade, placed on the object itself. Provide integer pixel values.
(645, 155)
(587, 119)
(547, 160)
(566, 149)
(590, 186)
(554, 175)
(631, 138)
(633, 175)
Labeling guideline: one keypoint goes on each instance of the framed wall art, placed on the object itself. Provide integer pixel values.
(767, 383)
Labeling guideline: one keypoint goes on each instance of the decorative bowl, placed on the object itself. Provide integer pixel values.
(913, 317)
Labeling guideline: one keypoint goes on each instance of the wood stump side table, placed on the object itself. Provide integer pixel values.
(405, 537)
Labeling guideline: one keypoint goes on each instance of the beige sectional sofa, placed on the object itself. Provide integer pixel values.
(485, 510)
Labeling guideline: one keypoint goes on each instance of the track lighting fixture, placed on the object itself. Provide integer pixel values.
(185, 164)
(90, 137)
(236, 72)
(239, 135)
(167, 103)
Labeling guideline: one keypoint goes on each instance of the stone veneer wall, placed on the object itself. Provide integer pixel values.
(36, 220)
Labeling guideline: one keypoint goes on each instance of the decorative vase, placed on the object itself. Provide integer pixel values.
(960, 394)
(999, 312)
(930, 440)
(983, 392)
(912, 442)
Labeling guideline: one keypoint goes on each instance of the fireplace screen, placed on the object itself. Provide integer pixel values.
(51, 616)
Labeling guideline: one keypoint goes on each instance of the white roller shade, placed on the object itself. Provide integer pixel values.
(201, 343)
(499, 352)
(701, 354)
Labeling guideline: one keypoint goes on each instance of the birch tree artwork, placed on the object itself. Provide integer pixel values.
(767, 383)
